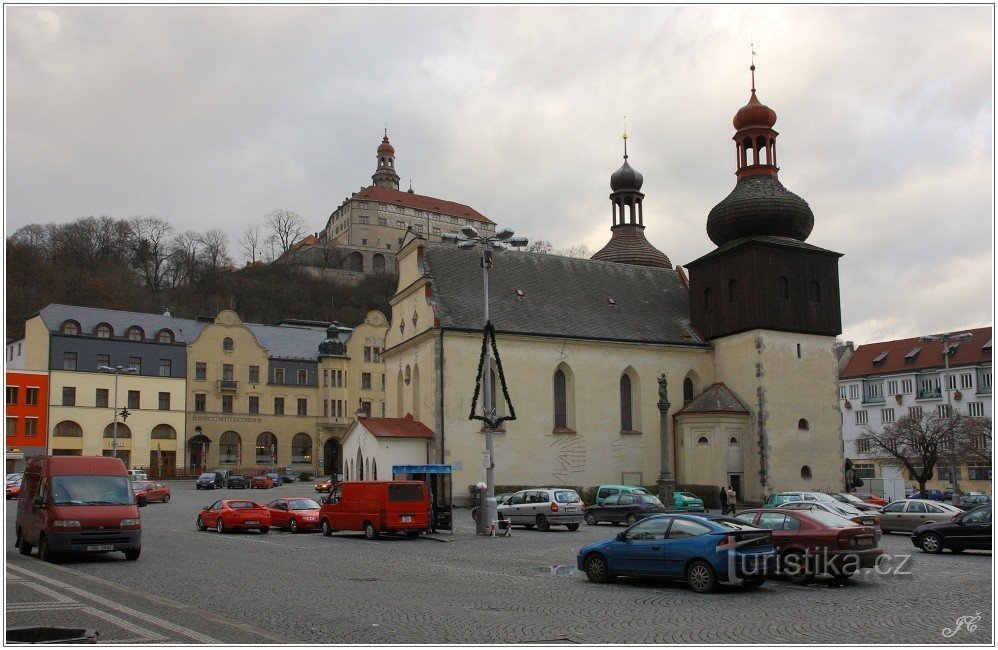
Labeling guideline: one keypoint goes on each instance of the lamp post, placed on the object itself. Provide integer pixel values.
(467, 239)
(946, 338)
(117, 370)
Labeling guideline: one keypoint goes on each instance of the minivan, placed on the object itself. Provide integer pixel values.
(377, 507)
(77, 504)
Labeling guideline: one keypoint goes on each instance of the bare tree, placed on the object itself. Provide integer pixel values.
(921, 442)
(538, 246)
(976, 444)
(215, 250)
(578, 250)
(286, 226)
(250, 243)
(35, 235)
(185, 257)
(152, 250)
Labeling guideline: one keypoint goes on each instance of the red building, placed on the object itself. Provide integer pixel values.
(27, 408)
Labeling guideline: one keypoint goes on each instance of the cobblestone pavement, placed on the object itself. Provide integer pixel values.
(310, 589)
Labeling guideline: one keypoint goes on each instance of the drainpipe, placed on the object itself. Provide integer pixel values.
(440, 393)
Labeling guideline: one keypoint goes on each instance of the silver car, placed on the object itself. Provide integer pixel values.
(907, 515)
(544, 507)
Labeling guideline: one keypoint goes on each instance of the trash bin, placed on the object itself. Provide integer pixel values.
(23, 635)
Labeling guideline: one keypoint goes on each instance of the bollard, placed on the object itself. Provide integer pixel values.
(482, 521)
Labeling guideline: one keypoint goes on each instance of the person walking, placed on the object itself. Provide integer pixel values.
(723, 497)
(732, 498)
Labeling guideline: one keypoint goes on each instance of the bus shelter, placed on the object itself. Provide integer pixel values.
(439, 479)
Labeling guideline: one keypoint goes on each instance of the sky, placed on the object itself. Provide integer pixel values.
(214, 116)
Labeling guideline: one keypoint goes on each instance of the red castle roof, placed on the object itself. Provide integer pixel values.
(419, 202)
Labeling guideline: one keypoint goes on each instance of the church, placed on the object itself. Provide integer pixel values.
(625, 368)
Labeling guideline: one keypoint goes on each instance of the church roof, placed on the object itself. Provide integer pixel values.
(716, 398)
(419, 202)
(564, 297)
(782, 242)
(628, 245)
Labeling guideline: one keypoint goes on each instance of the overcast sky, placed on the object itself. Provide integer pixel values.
(214, 116)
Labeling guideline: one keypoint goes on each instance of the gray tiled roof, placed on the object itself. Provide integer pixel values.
(287, 342)
(715, 398)
(563, 296)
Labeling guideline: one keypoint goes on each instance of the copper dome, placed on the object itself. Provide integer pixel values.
(755, 113)
(385, 147)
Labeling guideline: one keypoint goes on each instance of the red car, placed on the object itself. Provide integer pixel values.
(153, 491)
(234, 514)
(295, 513)
(871, 498)
(325, 485)
(809, 542)
(13, 490)
(261, 481)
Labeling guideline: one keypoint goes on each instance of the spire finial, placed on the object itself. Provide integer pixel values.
(386, 130)
(625, 137)
(752, 67)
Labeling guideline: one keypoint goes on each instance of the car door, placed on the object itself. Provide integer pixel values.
(602, 511)
(623, 507)
(974, 529)
(537, 504)
(515, 508)
(641, 552)
(214, 512)
(913, 516)
(683, 541)
(784, 527)
(890, 516)
(278, 516)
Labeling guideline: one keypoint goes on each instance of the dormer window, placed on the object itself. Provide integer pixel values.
(103, 331)
(880, 358)
(134, 333)
(912, 355)
(70, 328)
(165, 336)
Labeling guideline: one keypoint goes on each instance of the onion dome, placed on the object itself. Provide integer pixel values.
(333, 346)
(760, 205)
(386, 148)
(626, 178)
(755, 113)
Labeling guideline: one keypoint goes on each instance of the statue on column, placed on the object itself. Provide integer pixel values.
(666, 482)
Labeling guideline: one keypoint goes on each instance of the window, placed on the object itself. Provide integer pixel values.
(103, 331)
(383, 382)
(70, 328)
(703, 440)
(650, 529)
(943, 410)
(103, 360)
(226, 403)
(31, 426)
(68, 429)
(560, 401)
(69, 361)
(842, 392)
(782, 288)
(227, 345)
(164, 401)
(254, 404)
(978, 473)
(278, 406)
(302, 406)
(133, 399)
(803, 425)
(626, 423)
(906, 387)
(364, 220)
(863, 446)
(945, 473)
(854, 391)
(100, 401)
(951, 382)
(915, 412)
(892, 387)
(874, 390)
(165, 336)
(367, 354)
(732, 291)
(163, 432)
(382, 221)
(708, 299)
(69, 396)
(254, 374)
(880, 358)
(325, 408)
(887, 415)
(325, 378)
(165, 367)
(11, 427)
(376, 355)
(135, 362)
(199, 402)
(302, 377)
(200, 370)
(301, 448)
(966, 380)
(228, 372)
(687, 391)
(12, 394)
(134, 334)
(975, 409)
(861, 417)
(31, 396)
(984, 382)
(805, 472)
(365, 380)
(864, 470)
(278, 375)
(365, 407)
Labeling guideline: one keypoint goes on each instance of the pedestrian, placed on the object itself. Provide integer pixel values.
(723, 497)
(732, 498)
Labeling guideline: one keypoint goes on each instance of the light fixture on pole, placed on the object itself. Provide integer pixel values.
(467, 239)
(117, 370)
(947, 339)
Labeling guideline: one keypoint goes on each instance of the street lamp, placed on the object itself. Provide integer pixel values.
(117, 370)
(946, 338)
(467, 239)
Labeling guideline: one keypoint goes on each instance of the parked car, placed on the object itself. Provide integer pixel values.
(15, 477)
(971, 529)
(701, 550)
(909, 514)
(13, 488)
(871, 498)
(208, 481)
(377, 507)
(274, 476)
(972, 500)
(288, 477)
(500, 500)
(234, 514)
(326, 484)
(294, 513)
(237, 481)
(624, 507)
(66, 503)
(932, 495)
(152, 491)
(688, 501)
(854, 501)
(225, 473)
(776, 499)
(137, 475)
(606, 490)
(544, 507)
(854, 515)
(261, 481)
(814, 542)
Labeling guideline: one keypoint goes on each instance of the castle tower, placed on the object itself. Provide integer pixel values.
(385, 175)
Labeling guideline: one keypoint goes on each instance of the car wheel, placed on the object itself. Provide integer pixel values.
(930, 543)
(631, 518)
(293, 526)
(542, 524)
(326, 530)
(200, 524)
(219, 526)
(197, 487)
(23, 547)
(591, 519)
(700, 577)
(795, 568)
(572, 526)
(132, 554)
(597, 568)
(369, 531)
(166, 498)
(45, 553)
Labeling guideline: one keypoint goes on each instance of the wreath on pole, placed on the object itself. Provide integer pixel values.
(489, 335)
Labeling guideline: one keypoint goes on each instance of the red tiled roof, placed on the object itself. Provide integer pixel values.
(969, 352)
(419, 202)
(304, 242)
(396, 427)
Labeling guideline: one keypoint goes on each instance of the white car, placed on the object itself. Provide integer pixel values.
(137, 475)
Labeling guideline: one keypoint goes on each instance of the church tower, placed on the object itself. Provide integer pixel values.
(385, 175)
(627, 243)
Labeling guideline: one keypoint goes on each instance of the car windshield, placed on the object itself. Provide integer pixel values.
(821, 496)
(566, 496)
(827, 518)
(648, 498)
(303, 504)
(208, 475)
(92, 490)
(733, 524)
(242, 505)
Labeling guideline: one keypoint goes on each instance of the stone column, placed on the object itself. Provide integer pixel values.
(666, 482)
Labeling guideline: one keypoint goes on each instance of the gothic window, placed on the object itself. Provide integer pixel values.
(814, 291)
(732, 291)
(708, 299)
(687, 391)
(626, 421)
(783, 288)
(560, 401)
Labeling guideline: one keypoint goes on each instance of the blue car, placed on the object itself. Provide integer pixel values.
(275, 476)
(700, 550)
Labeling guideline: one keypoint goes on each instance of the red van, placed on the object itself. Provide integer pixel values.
(77, 504)
(377, 507)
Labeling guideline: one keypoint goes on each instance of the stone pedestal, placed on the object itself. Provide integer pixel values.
(667, 491)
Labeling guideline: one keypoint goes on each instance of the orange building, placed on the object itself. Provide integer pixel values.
(27, 407)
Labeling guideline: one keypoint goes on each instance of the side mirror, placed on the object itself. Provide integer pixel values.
(39, 502)
(142, 501)
(621, 537)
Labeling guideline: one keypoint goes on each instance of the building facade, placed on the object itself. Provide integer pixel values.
(887, 380)
(27, 416)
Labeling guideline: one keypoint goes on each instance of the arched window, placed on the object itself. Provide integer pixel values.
(374, 469)
(123, 431)
(626, 421)
(360, 466)
(813, 291)
(733, 441)
(103, 331)
(68, 429)
(708, 299)
(378, 263)
(301, 448)
(357, 262)
(805, 473)
(229, 448)
(70, 328)
(266, 448)
(783, 288)
(803, 425)
(134, 333)
(417, 397)
(408, 375)
(732, 291)
(399, 393)
(560, 401)
(164, 336)
(163, 432)
(227, 344)
(702, 440)
(687, 391)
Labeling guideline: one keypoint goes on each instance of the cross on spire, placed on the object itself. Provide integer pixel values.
(625, 137)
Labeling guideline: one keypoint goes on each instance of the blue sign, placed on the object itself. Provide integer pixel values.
(421, 469)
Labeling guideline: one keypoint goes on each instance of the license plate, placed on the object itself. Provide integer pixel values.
(867, 522)
(864, 541)
(406, 519)
(248, 523)
(101, 547)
